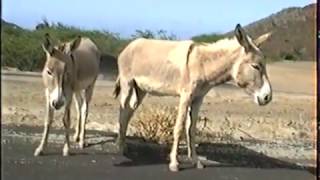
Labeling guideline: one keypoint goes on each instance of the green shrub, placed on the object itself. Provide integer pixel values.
(22, 49)
(208, 38)
(288, 56)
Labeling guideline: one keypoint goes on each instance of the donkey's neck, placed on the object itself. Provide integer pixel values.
(218, 62)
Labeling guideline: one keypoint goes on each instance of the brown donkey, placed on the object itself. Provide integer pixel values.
(188, 70)
(70, 68)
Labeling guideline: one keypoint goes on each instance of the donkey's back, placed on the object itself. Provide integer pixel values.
(151, 51)
(86, 62)
(156, 66)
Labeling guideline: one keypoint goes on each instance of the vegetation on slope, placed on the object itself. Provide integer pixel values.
(21, 48)
(293, 39)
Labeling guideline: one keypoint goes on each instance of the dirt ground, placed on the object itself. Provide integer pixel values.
(289, 120)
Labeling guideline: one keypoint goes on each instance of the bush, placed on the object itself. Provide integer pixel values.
(208, 38)
(22, 49)
(161, 34)
(155, 123)
(288, 56)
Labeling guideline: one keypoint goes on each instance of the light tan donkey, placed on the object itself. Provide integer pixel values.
(71, 68)
(188, 70)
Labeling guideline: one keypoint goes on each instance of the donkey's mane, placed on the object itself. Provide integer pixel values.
(226, 44)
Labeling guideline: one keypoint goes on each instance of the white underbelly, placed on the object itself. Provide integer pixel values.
(156, 88)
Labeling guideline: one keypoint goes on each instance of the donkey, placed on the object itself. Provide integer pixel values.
(188, 70)
(70, 68)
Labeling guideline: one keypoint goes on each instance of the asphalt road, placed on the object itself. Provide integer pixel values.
(143, 161)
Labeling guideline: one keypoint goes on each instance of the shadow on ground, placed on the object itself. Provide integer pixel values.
(217, 155)
(140, 152)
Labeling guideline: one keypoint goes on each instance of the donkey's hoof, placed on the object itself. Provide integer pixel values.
(38, 152)
(65, 153)
(119, 151)
(173, 167)
(122, 149)
(81, 145)
(199, 165)
(76, 138)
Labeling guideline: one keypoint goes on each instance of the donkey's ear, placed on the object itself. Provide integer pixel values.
(262, 38)
(75, 44)
(242, 37)
(62, 46)
(47, 44)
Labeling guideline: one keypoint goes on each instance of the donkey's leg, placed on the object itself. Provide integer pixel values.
(191, 126)
(183, 108)
(47, 124)
(188, 130)
(124, 115)
(124, 118)
(78, 102)
(126, 112)
(66, 123)
(84, 113)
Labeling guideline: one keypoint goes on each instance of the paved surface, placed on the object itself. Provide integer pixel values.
(144, 161)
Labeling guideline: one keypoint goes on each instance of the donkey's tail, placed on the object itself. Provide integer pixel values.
(117, 88)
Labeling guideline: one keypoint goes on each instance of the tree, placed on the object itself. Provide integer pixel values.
(143, 34)
(44, 24)
(148, 34)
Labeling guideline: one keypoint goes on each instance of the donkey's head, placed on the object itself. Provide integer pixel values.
(56, 73)
(249, 71)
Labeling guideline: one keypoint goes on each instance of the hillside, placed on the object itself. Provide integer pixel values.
(21, 48)
(7, 24)
(294, 33)
(293, 38)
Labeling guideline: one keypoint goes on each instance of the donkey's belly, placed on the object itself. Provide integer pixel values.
(84, 83)
(157, 88)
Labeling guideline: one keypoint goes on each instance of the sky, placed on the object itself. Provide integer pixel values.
(184, 18)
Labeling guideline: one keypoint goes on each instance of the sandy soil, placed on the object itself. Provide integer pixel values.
(231, 114)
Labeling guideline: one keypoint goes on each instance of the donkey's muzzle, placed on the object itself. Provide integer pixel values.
(264, 100)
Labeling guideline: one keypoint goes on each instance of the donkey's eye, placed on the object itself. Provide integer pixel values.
(49, 72)
(256, 66)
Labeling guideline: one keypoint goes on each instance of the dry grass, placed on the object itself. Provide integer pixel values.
(155, 123)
